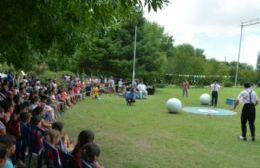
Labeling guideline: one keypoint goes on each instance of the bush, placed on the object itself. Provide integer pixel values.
(61, 74)
(160, 85)
(5, 68)
(47, 75)
(32, 73)
(258, 83)
(40, 68)
(228, 84)
(150, 90)
(58, 76)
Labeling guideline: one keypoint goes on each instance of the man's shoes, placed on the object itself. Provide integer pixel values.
(253, 139)
(242, 138)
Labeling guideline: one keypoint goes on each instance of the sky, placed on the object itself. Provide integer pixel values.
(214, 26)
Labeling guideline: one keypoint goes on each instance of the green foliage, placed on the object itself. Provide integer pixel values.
(58, 76)
(228, 84)
(40, 68)
(258, 62)
(37, 31)
(5, 68)
(186, 60)
(111, 53)
(47, 75)
(97, 37)
(160, 85)
(258, 83)
(214, 67)
(247, 76)
(190, 63)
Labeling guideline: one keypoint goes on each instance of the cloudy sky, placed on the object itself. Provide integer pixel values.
(214, 26)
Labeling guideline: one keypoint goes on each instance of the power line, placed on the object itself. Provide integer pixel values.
(251, 22)
(243, 24)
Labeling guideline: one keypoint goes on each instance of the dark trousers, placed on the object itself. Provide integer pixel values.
(130, 101)
(248, 114)
(214, 98)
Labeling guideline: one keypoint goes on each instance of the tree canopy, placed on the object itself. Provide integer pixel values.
(97, 37)
(31, 29)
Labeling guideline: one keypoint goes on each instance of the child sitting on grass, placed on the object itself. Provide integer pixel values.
(130, 97)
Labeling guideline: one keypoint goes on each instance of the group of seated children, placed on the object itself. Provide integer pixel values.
(50, 147)
(29, 132)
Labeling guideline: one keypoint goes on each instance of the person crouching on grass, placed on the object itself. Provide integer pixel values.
(250, 100)
(95, 92)
(130, 97)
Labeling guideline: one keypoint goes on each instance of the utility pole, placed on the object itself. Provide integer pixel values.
(133, 75)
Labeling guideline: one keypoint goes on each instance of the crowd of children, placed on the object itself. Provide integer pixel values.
(96, 86)
(31, 136)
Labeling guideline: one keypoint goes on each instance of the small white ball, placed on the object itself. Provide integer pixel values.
(205, 99)
(174, 105)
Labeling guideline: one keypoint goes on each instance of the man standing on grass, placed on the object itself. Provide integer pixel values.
(250, 100)
(214, 93)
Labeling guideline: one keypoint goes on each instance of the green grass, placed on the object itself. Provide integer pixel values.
(145, 135)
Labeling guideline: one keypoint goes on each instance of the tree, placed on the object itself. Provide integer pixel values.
(244, 70)
(32, 29)
(186, 60)
(214, 67)
(112, 52)
(258, 63)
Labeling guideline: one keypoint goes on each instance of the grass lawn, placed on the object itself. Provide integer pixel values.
(146, 136)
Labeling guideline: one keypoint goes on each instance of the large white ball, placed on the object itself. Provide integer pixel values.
(174, 105)
(205, 99)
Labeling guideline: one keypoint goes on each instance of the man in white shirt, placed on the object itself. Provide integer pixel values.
(214, 93)
(111, 85)
(142, 90)
(250, 100)
(120, 86)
